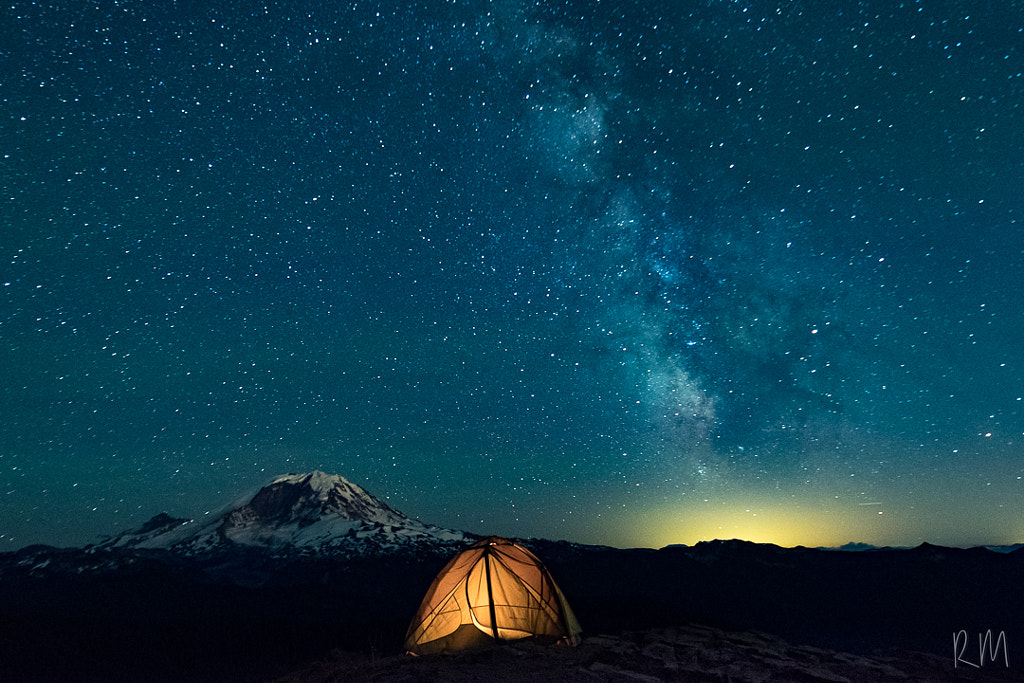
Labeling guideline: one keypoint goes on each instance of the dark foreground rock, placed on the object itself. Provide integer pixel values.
(687, 653)
(246, 615)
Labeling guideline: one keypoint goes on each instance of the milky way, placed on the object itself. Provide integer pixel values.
(615, 273)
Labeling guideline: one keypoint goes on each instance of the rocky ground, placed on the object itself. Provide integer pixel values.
(690, 653)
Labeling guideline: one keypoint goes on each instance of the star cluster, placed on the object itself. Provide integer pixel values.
(620, 273)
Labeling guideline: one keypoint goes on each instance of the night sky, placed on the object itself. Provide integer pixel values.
(616, 272)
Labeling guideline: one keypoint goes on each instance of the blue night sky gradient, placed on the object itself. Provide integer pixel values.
(623, 273)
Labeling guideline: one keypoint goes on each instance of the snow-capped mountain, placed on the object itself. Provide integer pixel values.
(309, 513)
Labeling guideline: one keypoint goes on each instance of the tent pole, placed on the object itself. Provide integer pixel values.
(490, 595)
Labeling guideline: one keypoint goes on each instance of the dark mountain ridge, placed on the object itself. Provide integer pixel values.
(312, 562)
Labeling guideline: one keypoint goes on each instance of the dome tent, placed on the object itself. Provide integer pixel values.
(493, 591)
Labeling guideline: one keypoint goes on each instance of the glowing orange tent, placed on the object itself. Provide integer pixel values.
(494, 590)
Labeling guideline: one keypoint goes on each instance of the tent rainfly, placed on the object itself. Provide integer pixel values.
(495, 590)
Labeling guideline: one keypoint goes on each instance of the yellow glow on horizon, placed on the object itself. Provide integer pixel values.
(788, 524)
(831, 512)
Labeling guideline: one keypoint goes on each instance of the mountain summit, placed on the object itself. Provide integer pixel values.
(312, 512)
(305, 499)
